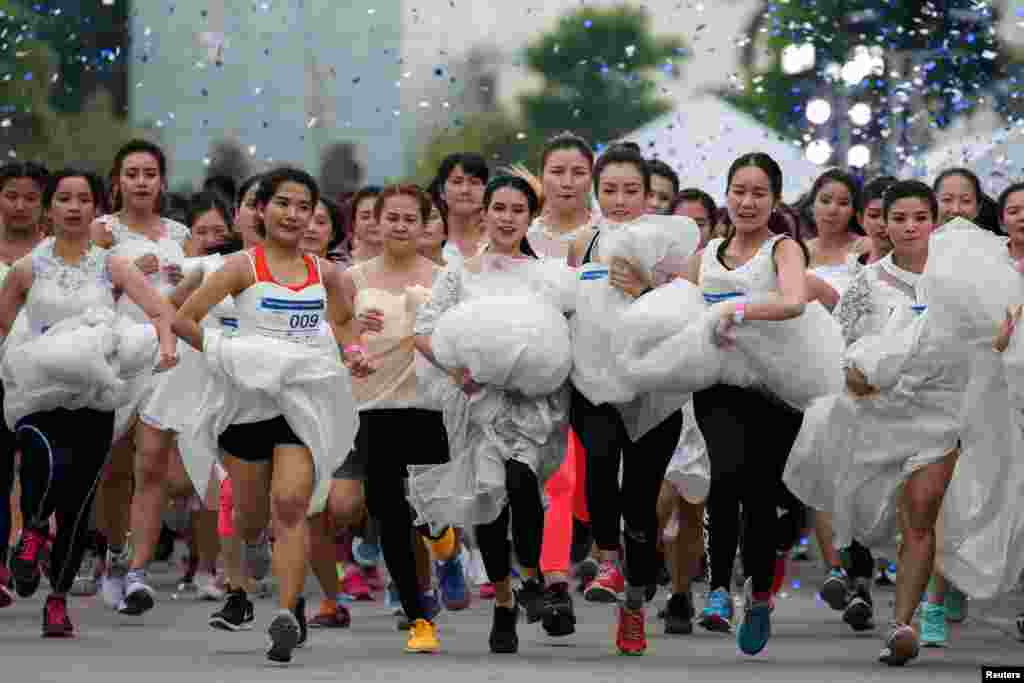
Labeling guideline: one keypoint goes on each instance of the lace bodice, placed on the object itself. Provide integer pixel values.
(132, 245)
(875, 292)
(840, 276)
(61, 290)
(756, 276)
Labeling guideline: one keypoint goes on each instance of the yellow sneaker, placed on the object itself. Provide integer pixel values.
(423, 637)
(444, 547)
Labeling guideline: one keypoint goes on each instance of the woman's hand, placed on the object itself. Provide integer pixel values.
(857, 383)
(354, 358)
(174, 273)
(1002, 340)
(464, 380)
(168, 359)
(148, 264)
(725, 336)
(625, 277)
(370, 320)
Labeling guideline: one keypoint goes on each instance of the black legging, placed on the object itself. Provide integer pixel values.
(858, 561)
(524, 499)
(395, 439)
(606, 442)
(748, 436)
(8, 447)
(62, 457)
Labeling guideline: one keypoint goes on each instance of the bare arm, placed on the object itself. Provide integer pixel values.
(186, 287)
(692, 273)
(231, 280)
(819, 290)
(13, 293)
(792, 274)
(130, 280)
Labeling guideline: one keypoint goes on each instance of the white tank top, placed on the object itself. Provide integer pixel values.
(60, 290)
(223, 315)
(296, 313)
(756, 276)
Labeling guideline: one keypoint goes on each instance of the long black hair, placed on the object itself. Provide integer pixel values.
(532, 200)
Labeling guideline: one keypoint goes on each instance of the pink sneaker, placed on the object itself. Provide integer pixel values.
(355, 585)
(608, 586)
(375, 578)
(487, 591)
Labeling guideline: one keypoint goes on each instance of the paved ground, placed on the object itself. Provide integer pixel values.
(173, 643)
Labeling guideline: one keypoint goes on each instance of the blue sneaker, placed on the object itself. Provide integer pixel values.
(933, 625)
(756, 628)
(365, 554)
(451, 579)
(717, 613)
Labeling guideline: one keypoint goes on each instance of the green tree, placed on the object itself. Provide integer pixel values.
(947, 53)
(597, 67)
(495, 135)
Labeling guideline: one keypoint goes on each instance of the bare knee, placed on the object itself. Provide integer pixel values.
(289, 509)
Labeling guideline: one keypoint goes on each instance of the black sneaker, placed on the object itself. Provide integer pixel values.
(836, 590)
(559, 618)
(300, 616)
(679, 614)
(285, 634)
(531, 596)
(650, 592)
(235, 615)
(859, 612)
(503, 630)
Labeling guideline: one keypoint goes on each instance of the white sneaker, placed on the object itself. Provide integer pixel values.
(207, 588)
(113, 582)
(85, 584)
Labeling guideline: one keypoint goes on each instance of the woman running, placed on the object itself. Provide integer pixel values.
(65, 436)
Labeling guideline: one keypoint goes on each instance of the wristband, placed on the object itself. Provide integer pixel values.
(737, 317)
(353, 348)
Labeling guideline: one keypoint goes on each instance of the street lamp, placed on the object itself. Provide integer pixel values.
(818, 152)
(818, 111)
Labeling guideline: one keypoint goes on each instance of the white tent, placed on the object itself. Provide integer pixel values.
(997, 157)
(702, 137)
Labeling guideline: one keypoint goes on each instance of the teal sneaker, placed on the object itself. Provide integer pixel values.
(756, 629)
(933, 625)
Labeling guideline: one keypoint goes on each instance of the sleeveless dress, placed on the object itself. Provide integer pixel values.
(74, 351)
(171, 399)
(281, 362)
(492, 426)
(168, 249)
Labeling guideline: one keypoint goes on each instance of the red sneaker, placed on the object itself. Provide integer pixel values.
(607, 586)
(632, 637)
(355, 585)
(6, 596)
(26, 559)
(56, 622)
(332, 615)
(487, 591)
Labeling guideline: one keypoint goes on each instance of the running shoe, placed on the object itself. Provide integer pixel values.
(374, 578)
(355, 586)
(1020, 626)
(451, 579)
(423, 638)
(86, 584)
(900, 646)
(679, 614)
(956, 605)
(112, 584)
(25, 561)
(559, 618)
(366, 554)
(487, 591)
(859, 612)
(6, 596)
(756, 629)
(285, 636)
(835, 591)
(331, 615)
(139, 598)
(631, 638)
(608, 586)
(586, 572)
(531, 596)
(717, 613)
(504, 639)
(235, 615)
(933, 625)
(56, 622)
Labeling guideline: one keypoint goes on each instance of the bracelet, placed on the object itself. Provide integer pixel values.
(353, 348)
(737, 317)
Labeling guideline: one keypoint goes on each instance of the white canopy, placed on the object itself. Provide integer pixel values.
(702, 137)
(996, 157)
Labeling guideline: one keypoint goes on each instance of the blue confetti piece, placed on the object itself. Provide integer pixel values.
(588, 23)
(892, 566)
(796, 585)
(28, 76)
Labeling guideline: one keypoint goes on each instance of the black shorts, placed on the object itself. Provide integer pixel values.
(255, 441)
(354, 467)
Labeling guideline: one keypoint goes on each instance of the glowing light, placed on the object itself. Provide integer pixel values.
(818, 111)
(818, 152)
(860, 114)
